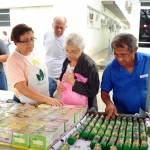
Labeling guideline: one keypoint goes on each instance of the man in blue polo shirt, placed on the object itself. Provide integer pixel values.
(127, 76)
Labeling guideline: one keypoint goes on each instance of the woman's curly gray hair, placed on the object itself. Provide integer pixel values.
(75, 39)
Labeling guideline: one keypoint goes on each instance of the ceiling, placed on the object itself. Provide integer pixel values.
(113, 7)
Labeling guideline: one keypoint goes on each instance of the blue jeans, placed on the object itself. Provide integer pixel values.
(3, 81)
(52, 86)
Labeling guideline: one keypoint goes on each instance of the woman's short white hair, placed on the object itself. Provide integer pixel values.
(75, 39)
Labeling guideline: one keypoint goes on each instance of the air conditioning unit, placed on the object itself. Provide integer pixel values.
(118, 27)
(91, 16)
(109, 23)
(103, 22)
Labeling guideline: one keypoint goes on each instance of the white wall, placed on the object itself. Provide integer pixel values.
(38, 18)
(134, 18)
(39, 15)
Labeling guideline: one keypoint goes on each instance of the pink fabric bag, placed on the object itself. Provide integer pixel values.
(72, 98)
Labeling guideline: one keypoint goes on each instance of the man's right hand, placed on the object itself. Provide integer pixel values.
(110, 110)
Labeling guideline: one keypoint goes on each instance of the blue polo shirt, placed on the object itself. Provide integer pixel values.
(129, 89)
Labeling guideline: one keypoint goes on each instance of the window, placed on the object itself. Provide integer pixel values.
(4, 17)
(93, 18)
(144, 29)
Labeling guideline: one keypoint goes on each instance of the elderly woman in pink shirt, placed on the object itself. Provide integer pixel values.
(25, 71)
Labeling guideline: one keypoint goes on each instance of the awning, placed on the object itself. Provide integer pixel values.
(113, 7)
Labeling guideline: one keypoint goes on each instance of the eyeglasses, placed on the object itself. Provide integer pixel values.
(123, 56)
(75, 52)
(28, 40)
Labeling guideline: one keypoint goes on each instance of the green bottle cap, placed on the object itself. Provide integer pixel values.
(135, 147)
(71, 140)
(91, 135)
(103, 145)
(85, 135)
(109, 145)
(119, 146)
(127, 147)
(92, 144)
(144, 147)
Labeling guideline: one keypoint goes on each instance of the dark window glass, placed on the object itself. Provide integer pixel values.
(3, 24)
(145, 3)
(144, 33)
(144, 45)
(4, 10)
(4, 17)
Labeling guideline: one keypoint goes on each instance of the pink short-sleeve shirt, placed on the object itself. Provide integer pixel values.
(16, 68)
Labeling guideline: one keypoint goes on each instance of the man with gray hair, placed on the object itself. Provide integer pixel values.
(127, 76)
(55, 52)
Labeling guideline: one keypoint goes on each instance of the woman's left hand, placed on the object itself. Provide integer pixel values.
(69, 77)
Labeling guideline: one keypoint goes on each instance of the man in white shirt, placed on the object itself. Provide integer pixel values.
(55, 52)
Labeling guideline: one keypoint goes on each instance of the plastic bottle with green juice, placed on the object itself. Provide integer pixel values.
(72, 139)
(86, 132)
(108, 133)
(87, 121)
(95, 129)
(127, 144)
(144, 145)
(135, 135)
(104, 142)
(96, 116)
(92, 123)
(120, 143)
(97, 147)
(135, 145)
(92, 133)
(64, 147)
(110, 127)
(98, 123)
(111, 142)
(95, 140)
(101, 132)
(147, 123)
(88, 129)
(102, 129)
(80, 129)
